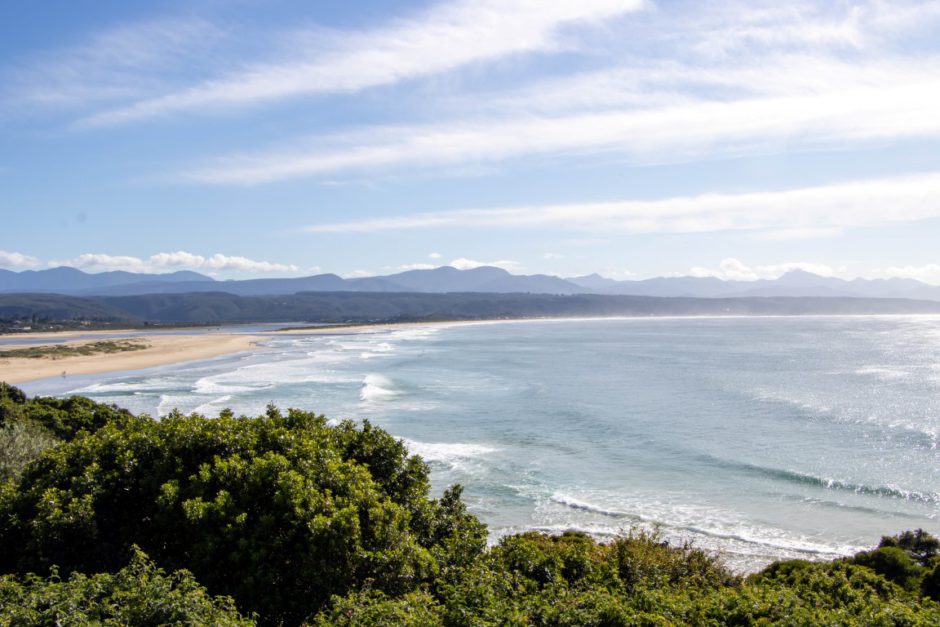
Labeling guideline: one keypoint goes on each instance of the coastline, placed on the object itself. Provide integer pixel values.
(168, 346)
(327, 327)
(162, 350)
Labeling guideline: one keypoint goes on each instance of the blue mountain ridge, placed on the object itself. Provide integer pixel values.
(446, 279)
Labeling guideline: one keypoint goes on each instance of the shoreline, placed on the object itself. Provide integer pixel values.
(162, 350)
(169, 346)
(328, 327)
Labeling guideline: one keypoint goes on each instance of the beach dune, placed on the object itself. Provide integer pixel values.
(160, 350)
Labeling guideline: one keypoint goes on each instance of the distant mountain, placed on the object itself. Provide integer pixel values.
(64, 280)
(794, 284)
(447, 279)
(594, 282)
(437, 280)
(482, 279)
(249, 287)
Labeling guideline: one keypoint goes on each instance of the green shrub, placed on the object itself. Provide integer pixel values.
(279, 511)
(63, 418)
(20, 443)
(139, 594)
(892, 563)
(11, 394)
(370, 608)
(930, 586)
(919, 544)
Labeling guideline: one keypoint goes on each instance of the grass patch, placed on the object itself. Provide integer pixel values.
(61, 351)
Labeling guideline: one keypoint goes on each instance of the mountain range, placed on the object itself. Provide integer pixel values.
(446, 279)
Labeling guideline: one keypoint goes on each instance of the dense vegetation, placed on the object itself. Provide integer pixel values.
(217, 307)
(138, 594)
(106, 517)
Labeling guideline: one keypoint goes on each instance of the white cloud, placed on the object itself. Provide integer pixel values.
(416, 266)
(446, 37)
(163, 262)
(104, 262)
(359, 274)
(469, 264)
(837, 206)
(929, 273)
(731, 269)
(552, 256)
(617, 274)
(434, 256)
(243, 264)
(176, 260)
(17, 260)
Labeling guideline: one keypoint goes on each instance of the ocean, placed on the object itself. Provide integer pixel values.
(758, 438)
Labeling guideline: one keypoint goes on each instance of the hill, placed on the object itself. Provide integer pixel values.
(332, 307)
(446, 279)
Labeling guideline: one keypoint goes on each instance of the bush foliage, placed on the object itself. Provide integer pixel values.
(291, 520)
(138, 594)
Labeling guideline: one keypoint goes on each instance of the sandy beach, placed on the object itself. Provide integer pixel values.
(161, 350)
(163, 347)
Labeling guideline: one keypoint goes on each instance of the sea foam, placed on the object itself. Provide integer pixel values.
(707, 527)
(377, 388)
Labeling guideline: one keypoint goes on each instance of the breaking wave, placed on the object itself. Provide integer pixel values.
(377, 388)
(681, 522)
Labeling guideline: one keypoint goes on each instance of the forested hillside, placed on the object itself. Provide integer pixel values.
(218, 307)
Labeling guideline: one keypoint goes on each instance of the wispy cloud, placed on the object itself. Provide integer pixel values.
(836, 117)
(444, 38)
(128, 61)
(686, 82)
(163, 262)
(829, 207)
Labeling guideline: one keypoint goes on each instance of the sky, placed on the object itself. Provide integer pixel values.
(633, 138)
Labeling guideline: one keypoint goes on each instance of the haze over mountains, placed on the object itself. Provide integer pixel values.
(446, 279)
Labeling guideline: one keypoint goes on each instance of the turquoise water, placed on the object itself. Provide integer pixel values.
(761, 438)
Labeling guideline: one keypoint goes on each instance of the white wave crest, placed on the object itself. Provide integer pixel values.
(885, 374)
(465, 458)
(447, 451)
(124, 387)
(169, 402)
(708, 527)
(217, 385)
(419, 333)
(213, 406)
(377, 388)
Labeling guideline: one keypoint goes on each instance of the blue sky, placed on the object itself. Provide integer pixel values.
(630, 137)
